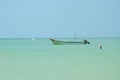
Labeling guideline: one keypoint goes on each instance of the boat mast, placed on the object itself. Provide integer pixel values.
(75, 36)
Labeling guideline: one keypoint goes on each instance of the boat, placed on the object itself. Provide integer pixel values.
(58, 42)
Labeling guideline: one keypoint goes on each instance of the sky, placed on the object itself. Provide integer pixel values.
(59, 18)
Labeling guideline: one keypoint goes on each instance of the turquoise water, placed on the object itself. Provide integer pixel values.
(26, 59)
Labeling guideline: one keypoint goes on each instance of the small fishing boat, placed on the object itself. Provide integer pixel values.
(58, 42)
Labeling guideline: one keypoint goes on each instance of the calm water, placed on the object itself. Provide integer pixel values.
(26, 59)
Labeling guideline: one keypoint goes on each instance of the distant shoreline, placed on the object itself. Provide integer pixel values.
(64, 38)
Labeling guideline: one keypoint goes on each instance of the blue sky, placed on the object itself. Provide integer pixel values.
(60, 18)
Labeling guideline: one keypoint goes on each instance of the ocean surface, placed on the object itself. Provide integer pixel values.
(39, 59)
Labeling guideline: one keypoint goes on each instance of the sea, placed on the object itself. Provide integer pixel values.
(39, 59)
